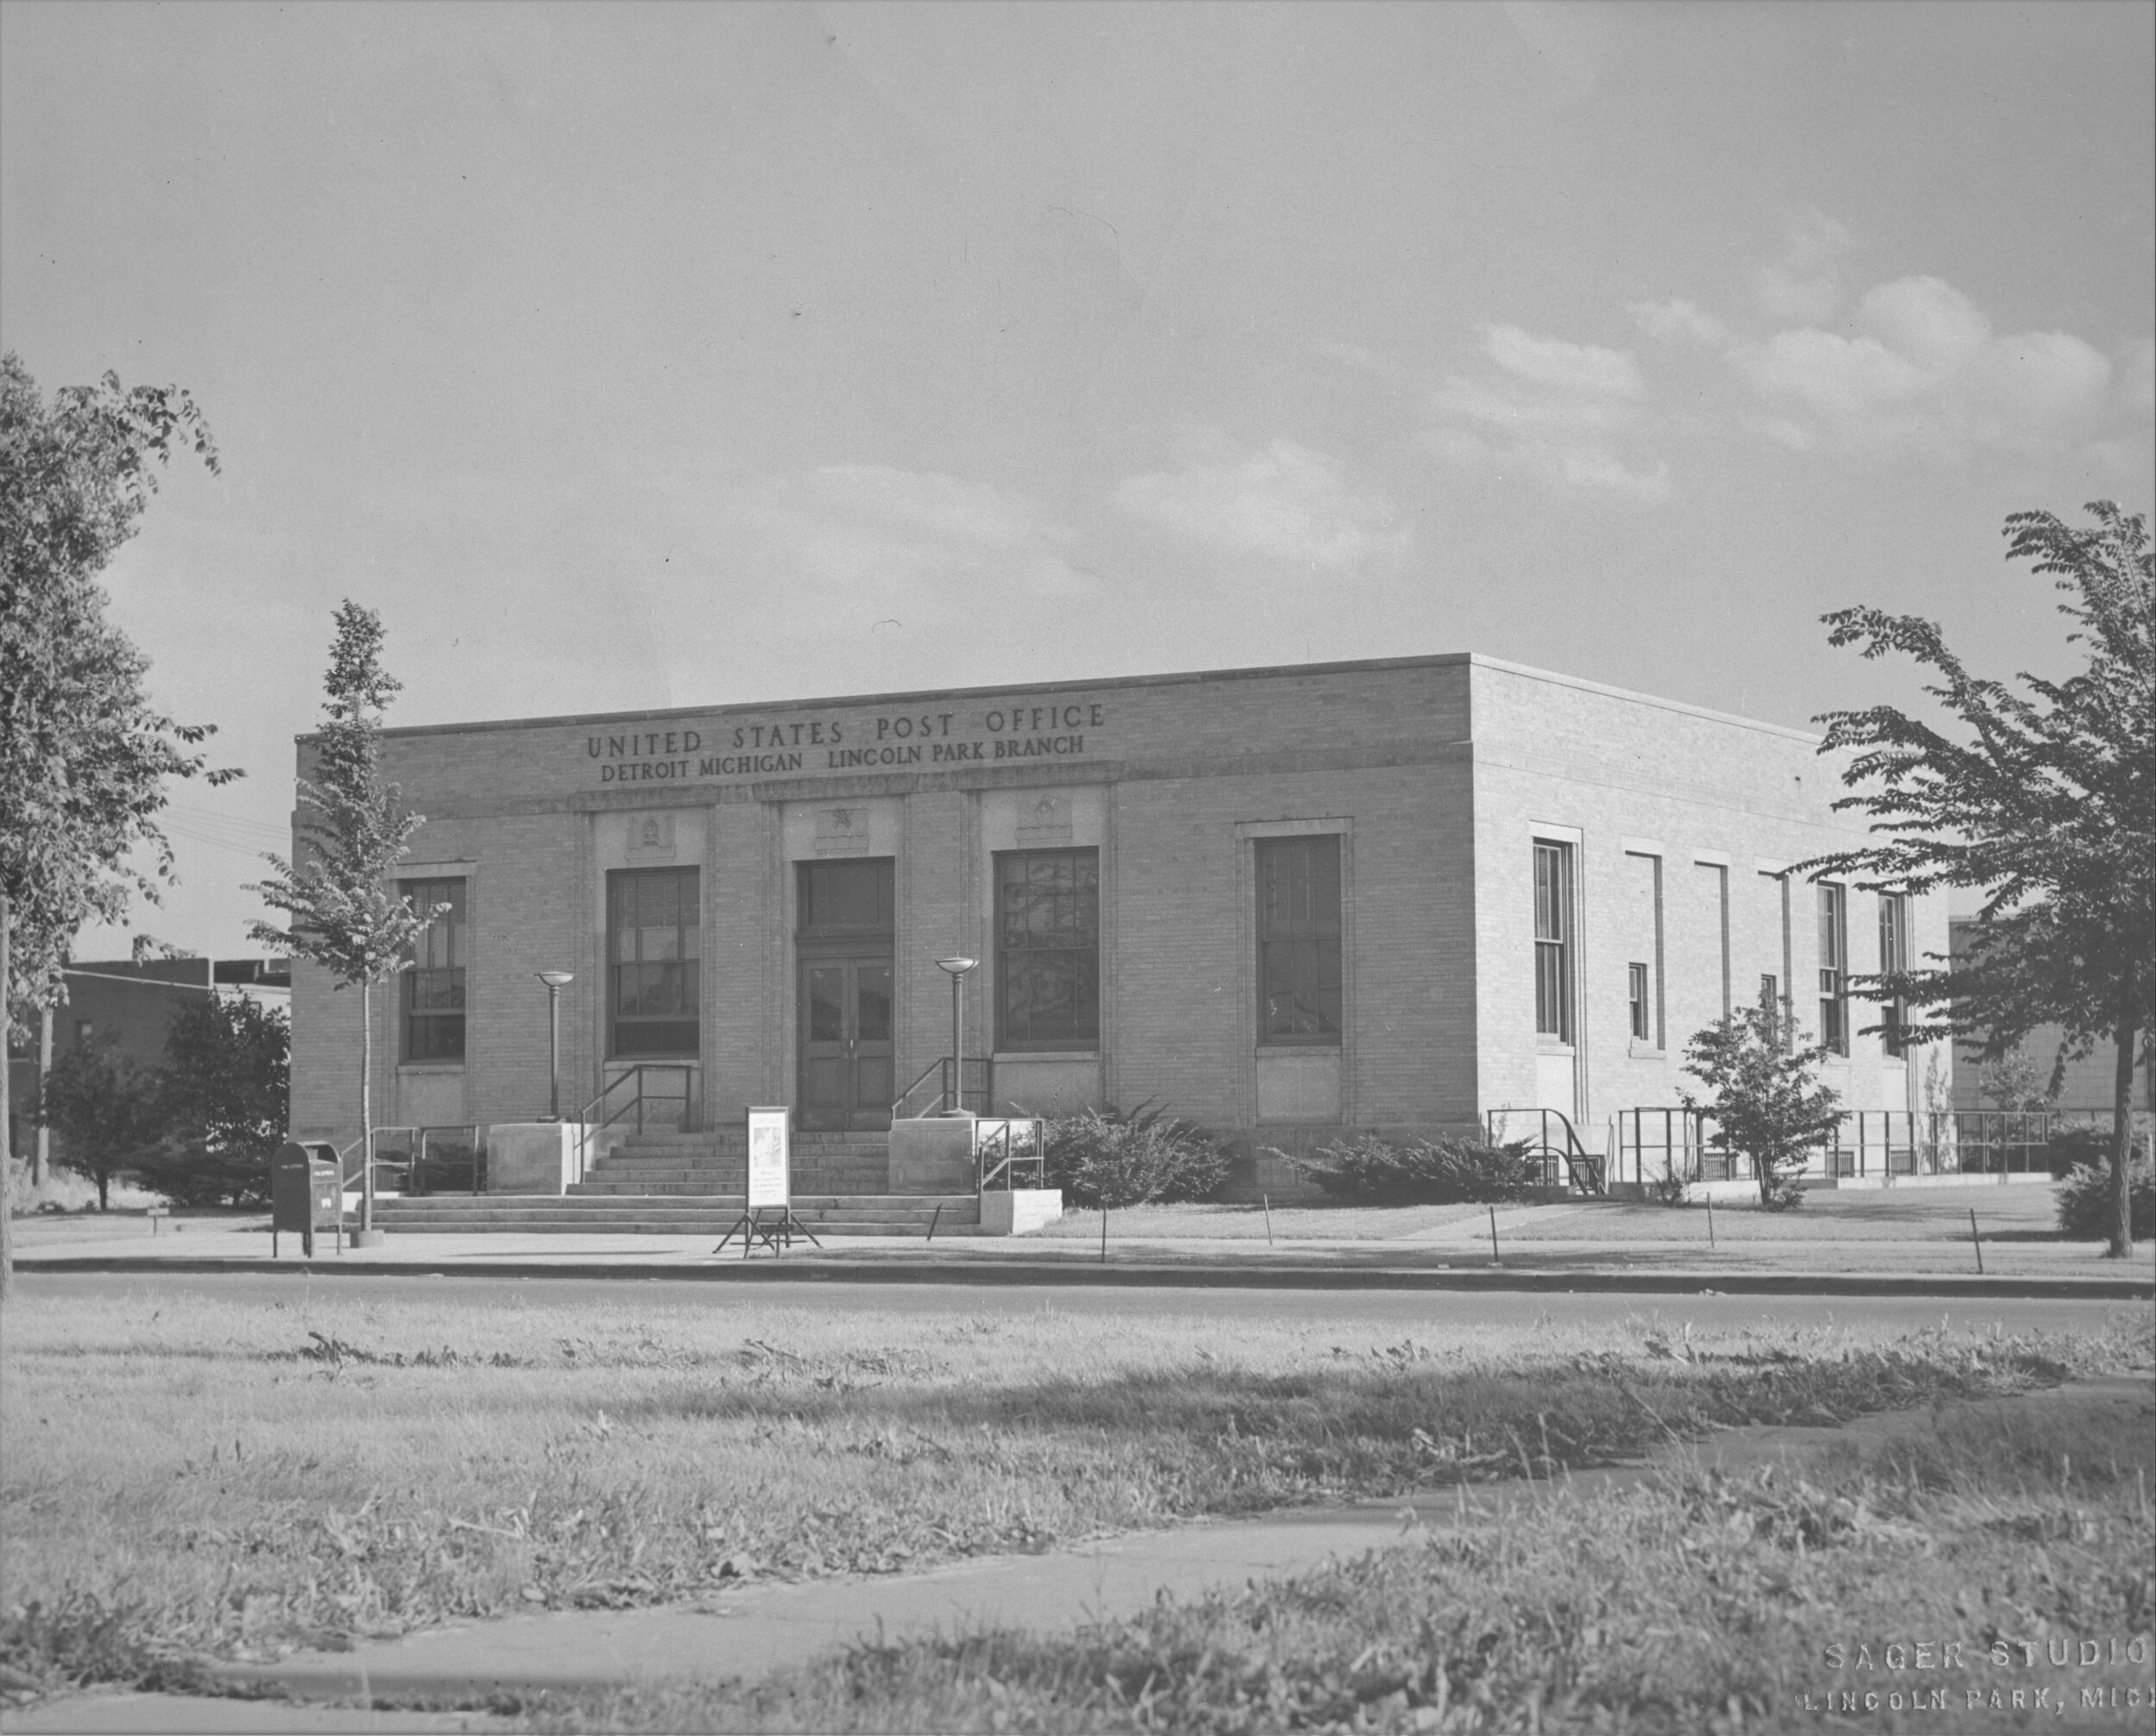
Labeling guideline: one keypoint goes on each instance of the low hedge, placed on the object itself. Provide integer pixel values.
(1105, 1156)
(1370, 1167)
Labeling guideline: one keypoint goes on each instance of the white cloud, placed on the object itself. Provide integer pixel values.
(857, 539)
(1570, 366)
(1841, 376)
(1563, 414)
(1284, 502)
(1926, 375)
(1805, 283)
(1668, 321)
(1918, 371)
(1927, 320)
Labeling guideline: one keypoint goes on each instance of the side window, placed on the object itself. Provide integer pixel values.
(1641, 916)
(1834, 967)
(433, 993)
(1298, 940)
(1553, 941)
(1893, 956)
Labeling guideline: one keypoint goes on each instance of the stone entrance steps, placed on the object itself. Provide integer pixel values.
(717, 1161)
(672, 1215)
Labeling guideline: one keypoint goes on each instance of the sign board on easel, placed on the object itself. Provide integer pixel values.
(768, 1212)
(770, 1155)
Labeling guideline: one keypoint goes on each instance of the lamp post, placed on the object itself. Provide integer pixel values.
(555, 980)
(957, 968)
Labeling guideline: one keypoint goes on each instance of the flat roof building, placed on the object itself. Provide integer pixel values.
(1394, 894)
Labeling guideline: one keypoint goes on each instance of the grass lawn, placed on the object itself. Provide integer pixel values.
(1886, 1214)
(1696, 1602)
(2023, 1213)
(182, 1474)
(1239, 1223)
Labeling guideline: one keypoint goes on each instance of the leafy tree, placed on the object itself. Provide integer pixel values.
(224, 1090)
(109, 1113)
(83, 755)
(1767, 1102)
(2043, 801)
(2017, 1081)
(346, 913)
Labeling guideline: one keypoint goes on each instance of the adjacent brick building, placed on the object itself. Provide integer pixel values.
(1392, 894)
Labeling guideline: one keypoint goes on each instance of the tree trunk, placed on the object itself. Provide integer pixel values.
(2122, 1246)
(42, 1160)
(367, 1105)
(105, 1182)
(7, 1138)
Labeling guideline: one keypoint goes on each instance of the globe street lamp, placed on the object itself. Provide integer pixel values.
(555, 980)
(958, 968)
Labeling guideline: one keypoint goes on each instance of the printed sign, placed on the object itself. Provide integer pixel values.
(769, 1154)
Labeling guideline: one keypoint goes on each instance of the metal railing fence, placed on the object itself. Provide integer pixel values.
(1654, 1144)
(1553, 1142)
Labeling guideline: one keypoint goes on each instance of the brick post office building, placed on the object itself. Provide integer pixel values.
(1392, 894)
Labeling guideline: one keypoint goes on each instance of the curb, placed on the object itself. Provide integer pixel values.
(1239, 1276)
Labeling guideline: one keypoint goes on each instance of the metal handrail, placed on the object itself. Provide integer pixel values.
(951, 1088)
(940, 1066)
(1583, 1168)
(586, 1128)
(989, 1136)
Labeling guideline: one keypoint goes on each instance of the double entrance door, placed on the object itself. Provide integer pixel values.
(844, 1012)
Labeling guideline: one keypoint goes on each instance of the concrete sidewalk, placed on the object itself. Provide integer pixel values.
(762, 1629)
(1545, 1248)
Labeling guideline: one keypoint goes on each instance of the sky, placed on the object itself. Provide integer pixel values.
(645, 356)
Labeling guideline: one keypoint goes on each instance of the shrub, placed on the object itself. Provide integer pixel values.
(1370, 1167)
(2072, 1148)
(1104, 1157)
(196, 1174)
(1671, 1189)
(2084, 1202)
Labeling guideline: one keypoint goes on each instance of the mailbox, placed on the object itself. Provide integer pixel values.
(306, 1195)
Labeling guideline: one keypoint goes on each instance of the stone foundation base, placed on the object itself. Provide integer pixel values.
(1020, 1212)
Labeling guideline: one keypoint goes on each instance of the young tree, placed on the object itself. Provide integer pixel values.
(2043, 801)
(1767, 1102)
(224, 1090)
(83, 755)
(2017, 1081)
(107, 1112)
(346, 913)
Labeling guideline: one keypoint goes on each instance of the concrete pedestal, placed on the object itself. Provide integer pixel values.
(531, 1157)
(932, 1155)
(1020, 1212)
